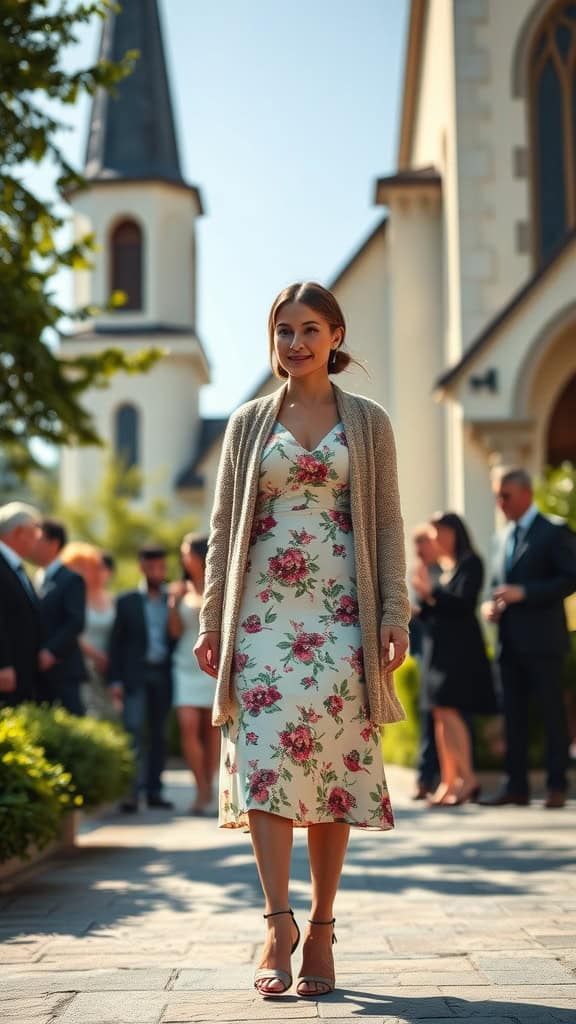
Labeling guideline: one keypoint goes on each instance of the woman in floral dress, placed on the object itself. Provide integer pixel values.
(311, 615)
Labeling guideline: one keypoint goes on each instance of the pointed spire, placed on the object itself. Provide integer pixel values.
(132, 134)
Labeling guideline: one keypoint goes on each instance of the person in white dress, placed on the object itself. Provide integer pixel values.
(193, 690)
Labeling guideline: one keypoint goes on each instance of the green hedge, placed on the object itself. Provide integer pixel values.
(97, 754)
(34, 792)
(52, 762)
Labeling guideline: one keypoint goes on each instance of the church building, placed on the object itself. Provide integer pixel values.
(462, 301)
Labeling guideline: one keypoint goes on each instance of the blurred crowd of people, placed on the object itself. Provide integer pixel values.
(65, 638)
(532, 572)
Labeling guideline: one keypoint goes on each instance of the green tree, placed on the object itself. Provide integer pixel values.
(556, 493)
(109, 518)
(40, 394)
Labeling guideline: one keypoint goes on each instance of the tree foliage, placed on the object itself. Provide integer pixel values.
(40, 394)
(556, 493)
(112, 519)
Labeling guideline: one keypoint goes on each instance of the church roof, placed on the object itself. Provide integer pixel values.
(210, 431)
(132, 135)
(412, 67)
(410, 178)
(516, 302)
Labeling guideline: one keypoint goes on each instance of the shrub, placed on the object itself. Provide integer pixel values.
(400, 740)
(34, 793)
(97, 754)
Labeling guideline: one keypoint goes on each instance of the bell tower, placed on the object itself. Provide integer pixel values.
(143, 215)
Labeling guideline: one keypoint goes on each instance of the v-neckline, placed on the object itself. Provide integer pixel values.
(309, 451)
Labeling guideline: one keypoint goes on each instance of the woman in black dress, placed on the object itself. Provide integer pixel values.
(456, 676)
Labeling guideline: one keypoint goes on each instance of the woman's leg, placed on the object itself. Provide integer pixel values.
(210, 741)
(326, 849)
(272, 842)
(448, 767)
(458, 738)
(189, 721)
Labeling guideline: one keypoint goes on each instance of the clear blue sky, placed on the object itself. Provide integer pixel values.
(285, 115)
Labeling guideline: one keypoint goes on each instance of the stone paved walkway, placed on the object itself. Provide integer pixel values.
(462, 914)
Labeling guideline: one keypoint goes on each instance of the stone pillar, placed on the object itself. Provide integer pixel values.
(416, 347)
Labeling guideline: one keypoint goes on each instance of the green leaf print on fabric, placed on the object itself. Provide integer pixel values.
(342, 608)
(382, 813)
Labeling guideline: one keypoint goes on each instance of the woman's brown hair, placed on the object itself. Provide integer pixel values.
(311, 294)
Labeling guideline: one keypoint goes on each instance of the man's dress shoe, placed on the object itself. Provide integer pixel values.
(158, 801)
(556, 798)
(504, 798)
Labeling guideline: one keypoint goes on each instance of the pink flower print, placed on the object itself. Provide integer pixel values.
(259, 698)
(252, 624)
(289, 567)
(240, 661)
(252, 738)
(302, 537)
(310, 470)
(309, 681)
(334, 705)
(303, 809)
(343, 520)
(340, 801)
(341, 438)
(264, 596)
(356, 660)
(386, 814)
(231, 768)
(309, 715)
(298, 743)
(259, 783)
(304, 644)
(262, 526)
(366, 733)
(339, 550)
(352, 761)
(347, 611)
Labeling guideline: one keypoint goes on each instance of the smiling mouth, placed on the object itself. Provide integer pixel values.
(298, 359)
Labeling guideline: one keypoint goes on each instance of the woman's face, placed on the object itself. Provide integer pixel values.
(191, 561)
(446, 540)
(303, 339)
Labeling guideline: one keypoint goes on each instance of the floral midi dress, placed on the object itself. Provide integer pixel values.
(300, 743)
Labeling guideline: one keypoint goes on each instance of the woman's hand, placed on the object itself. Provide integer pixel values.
(393, 647)
(421, 581)
(207, 650)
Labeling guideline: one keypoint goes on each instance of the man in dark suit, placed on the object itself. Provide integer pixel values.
(140, 673)
(63, 609)
(534, 571)
(20, 625)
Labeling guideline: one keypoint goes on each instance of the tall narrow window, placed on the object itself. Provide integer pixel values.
(553, 99)
(127, 435)
(126, 263)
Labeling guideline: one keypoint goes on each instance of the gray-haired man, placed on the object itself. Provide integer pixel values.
(20, 625)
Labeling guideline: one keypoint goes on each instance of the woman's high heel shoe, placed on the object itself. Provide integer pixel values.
(305, 979)
(264, 974)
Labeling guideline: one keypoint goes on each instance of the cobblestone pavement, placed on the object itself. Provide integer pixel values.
(459, 914)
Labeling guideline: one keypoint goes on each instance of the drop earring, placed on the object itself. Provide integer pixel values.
(332, 360)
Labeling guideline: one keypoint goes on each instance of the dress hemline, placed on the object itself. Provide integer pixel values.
(242, 822)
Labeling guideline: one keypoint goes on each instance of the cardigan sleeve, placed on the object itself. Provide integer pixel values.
(219, 537)
(389, 527)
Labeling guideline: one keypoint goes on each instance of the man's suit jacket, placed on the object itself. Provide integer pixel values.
(20, 634)
(63, 611)
(129, 642)
(544, 563)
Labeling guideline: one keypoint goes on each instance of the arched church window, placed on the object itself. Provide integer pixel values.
(562, 427)
(553, 99)
(126, 262)
(127, 435)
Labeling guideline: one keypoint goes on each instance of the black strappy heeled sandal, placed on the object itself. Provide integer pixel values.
(276, 973)
(330, 983)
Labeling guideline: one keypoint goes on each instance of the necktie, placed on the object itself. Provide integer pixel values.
(25, 581)
(515, 543)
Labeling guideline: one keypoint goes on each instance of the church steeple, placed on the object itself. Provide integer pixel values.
(132, 135)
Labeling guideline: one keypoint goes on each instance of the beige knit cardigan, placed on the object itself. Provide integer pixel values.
(377, 529)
